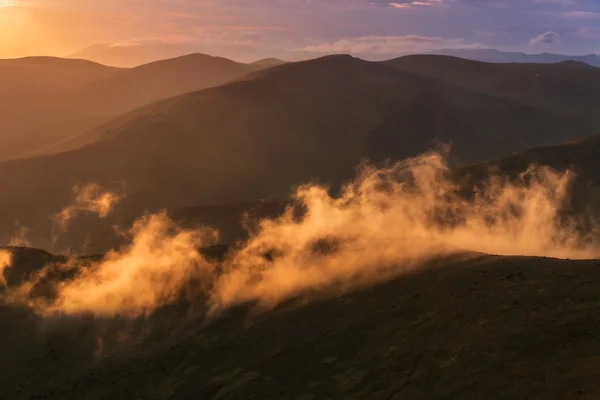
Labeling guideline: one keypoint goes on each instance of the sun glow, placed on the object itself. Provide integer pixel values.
(17, 29)
(8, 3)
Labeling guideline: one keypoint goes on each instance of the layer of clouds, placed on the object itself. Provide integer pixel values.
(248, 29)
(548, 38)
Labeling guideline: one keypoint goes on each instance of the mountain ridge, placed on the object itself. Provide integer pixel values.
(494, 55)
(101, 94)
(311, 121)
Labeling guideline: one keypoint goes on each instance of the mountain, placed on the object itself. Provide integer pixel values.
(27, 88)
(496, 56)
(45, 75)
(269, 62)
(578, 156)
(262, 134)
(28, 84)
(47, 102)
(565, 88)
(132, 54)
(447, 330)
(161, 79)
(581, 155)
(132, 88)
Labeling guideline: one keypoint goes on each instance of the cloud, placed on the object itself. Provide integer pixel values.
(135, 280)
(70, 25)
(586, 33)
(386, 46)
(404, 4)
(582, 14)
(409, 4)
(19, 238)
(5, 262)
(90, 198)
(548, 38)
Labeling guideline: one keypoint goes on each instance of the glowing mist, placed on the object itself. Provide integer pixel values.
(387, 221)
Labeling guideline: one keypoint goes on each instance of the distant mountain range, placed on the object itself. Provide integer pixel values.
(46, 102)
(496, 56)
(263, 132)
(133, 54)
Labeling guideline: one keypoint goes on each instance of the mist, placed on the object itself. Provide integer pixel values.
(90, 198)
(386, 222)
(5, 262)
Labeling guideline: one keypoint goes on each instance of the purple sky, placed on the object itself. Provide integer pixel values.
(251, 29)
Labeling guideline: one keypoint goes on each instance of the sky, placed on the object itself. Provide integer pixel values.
(293, 29)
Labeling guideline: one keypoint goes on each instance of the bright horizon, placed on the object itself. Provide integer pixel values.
(248, 30)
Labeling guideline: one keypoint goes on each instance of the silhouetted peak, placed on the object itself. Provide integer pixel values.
(338, 57)
(574, 64)
(188, 59)
(269, 61)
(43, 61)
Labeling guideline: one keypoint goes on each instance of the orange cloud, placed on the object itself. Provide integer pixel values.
(89, 198)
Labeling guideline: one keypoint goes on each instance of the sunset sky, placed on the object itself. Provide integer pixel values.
(247, 29)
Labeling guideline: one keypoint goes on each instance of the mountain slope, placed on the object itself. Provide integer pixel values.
(43, 75)
(27, 106)
(446, 331)
(162, 79)
(565, 88)
(27, 84)
(261, 135)
(47, 101)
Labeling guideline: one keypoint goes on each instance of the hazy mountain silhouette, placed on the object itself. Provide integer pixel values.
(496, 56)
(565, 88)
(33, 75)
(27, 90)
(132, 54)
(27, 86)
(269, 62)
(46, 101)
(262, 134)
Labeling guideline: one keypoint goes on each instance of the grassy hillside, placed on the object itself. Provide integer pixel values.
(464, 327)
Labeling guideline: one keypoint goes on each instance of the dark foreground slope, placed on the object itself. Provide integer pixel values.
(463, 328)
(263, 134)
